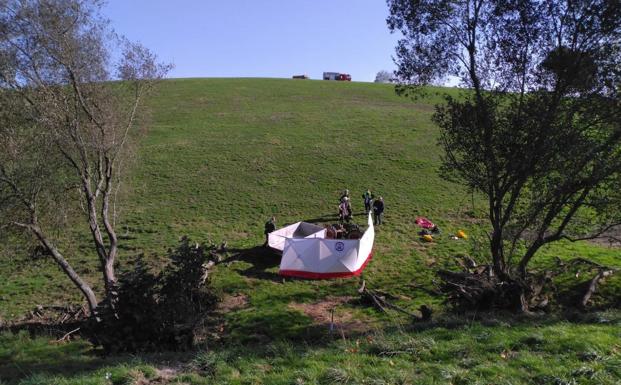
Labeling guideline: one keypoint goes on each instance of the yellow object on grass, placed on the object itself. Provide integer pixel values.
(462, 234)
(428, 238)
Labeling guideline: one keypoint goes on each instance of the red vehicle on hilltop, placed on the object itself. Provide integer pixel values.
(344, 77)
(336, 76)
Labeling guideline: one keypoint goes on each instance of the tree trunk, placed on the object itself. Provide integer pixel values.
(107, 265)
(528, 255)
(496, 246)
(109, 275)
(86, 290)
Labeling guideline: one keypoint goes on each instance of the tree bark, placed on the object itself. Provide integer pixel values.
(497, 258)
(112, 237)
(105, 254)
(84, 288)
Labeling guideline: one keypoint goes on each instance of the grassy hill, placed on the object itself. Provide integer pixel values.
(219, 158)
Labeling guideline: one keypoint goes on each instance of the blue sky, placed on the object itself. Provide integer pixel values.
(260, 38)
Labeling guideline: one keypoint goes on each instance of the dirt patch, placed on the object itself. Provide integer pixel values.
(166, 375)
(330, 310)
(232, 303)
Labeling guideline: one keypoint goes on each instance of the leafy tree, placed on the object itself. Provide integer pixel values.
(383, 77)
(65, 129)
(537, 129)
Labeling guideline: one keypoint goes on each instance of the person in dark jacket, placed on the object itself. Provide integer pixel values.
(378, 210)
(367, 197)
(269, 227)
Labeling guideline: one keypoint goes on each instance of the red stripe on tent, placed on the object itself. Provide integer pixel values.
(311, 275)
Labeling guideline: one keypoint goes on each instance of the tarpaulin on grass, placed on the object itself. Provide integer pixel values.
(424, 223)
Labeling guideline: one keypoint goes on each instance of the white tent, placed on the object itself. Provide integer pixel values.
(307, 253)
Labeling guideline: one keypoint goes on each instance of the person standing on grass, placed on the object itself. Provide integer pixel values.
(367, 197)
(349, 210)
(378, 210)
(344, 195)
(269, 227)
(345, 210)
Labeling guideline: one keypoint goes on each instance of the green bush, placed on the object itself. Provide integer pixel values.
(157, 311)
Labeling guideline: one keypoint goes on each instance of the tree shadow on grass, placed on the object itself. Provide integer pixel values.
(37, 359)
(266, 325)
(22, 356)
(260, 258)
(24, 359)
(507, 319)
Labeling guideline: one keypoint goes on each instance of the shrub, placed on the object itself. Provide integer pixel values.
(157, 311)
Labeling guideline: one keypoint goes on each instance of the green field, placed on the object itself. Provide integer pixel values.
(222, 155)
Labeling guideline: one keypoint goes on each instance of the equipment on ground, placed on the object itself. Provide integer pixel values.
(424, 223)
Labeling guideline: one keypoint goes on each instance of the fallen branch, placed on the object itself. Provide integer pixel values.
(206, 270)
(399, 309)
(593, 285)
(66, 336)
(382, 303)
(475, 287)
(386, 294)
(376, 301)
(466, 263)
(602, 273)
